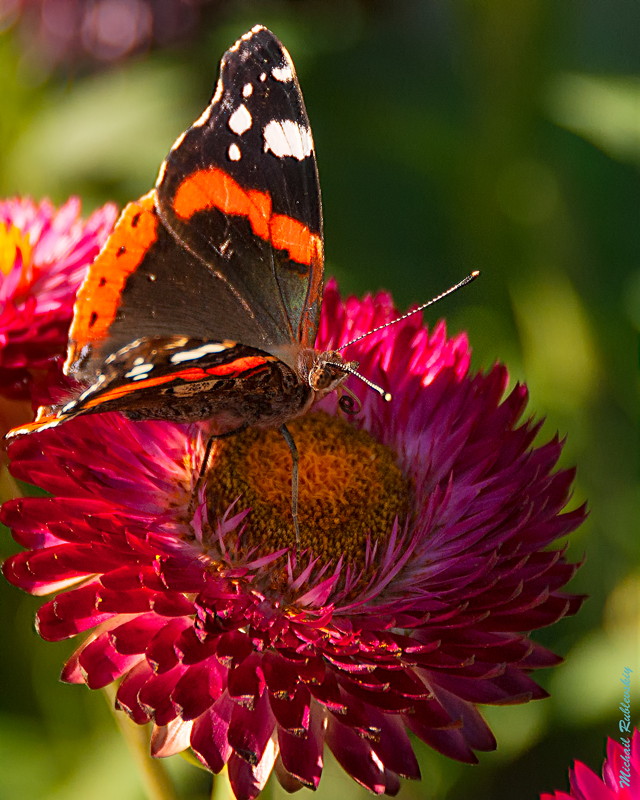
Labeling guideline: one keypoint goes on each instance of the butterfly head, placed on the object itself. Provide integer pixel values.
(328, 371)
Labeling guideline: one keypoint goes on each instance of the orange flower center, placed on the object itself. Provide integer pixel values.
(15, 253)
(350, 487)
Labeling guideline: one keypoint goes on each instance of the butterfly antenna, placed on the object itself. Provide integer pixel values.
(453, 289)
(384, 395)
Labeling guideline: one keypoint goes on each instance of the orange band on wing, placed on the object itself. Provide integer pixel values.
(239, 365)
(191, 374)
(214, 188)
(39, 424)
(289, 234)
(99, 295)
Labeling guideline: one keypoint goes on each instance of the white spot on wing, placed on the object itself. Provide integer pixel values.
(179, 140)
(247, 90)
(283, 74)
(139, 371)
(199, 352)
(287, 138)
(263, 77)
(234, 152)
(245, 37)
(161, 172)
(240, 121)
(217, 94)
(93, 388)
(41, 428)
(202, 119)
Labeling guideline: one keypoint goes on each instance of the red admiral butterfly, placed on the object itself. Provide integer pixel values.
(204, 302)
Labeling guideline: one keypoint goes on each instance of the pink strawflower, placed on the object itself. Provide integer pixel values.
(425, 532)
(44, 254)
(620, 774)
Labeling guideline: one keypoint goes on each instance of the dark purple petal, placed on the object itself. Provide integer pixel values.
(292, 714)
(134, 636)
(102, 664)
(285, 779)
(246, 683)
(161, 652)
(155, 695)
(247, 781)
(302, 755)
(355, 756)
(281, 676)
(451, 742)
(392, 783)
(193, 650)
(210, 734)
(127, 695)
(393, 746)
(197, 689)
(328, 693)
(250, 729)
(474, 728)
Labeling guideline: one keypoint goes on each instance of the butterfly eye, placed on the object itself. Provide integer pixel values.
(326, 376)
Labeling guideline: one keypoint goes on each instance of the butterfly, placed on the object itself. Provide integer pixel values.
(204, 302)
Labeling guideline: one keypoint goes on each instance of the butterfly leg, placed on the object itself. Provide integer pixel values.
(205, 465)
(294, 477)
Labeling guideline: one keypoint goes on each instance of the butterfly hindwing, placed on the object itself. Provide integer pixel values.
(240, 189)
(186, 379)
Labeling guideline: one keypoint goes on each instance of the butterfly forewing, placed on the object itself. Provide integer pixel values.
(240, 190)
(144, 284)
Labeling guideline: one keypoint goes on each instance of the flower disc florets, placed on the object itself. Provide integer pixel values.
(351, 489)
(255, 653)
(44, 254)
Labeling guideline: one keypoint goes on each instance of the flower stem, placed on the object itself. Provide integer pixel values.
(155, 779)
(9, 489)
(221, 788)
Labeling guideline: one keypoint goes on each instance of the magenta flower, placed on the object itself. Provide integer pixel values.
(620, 774)
(44, 254)
(425, 531)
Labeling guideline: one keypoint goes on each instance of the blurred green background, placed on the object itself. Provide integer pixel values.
(452, 135)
